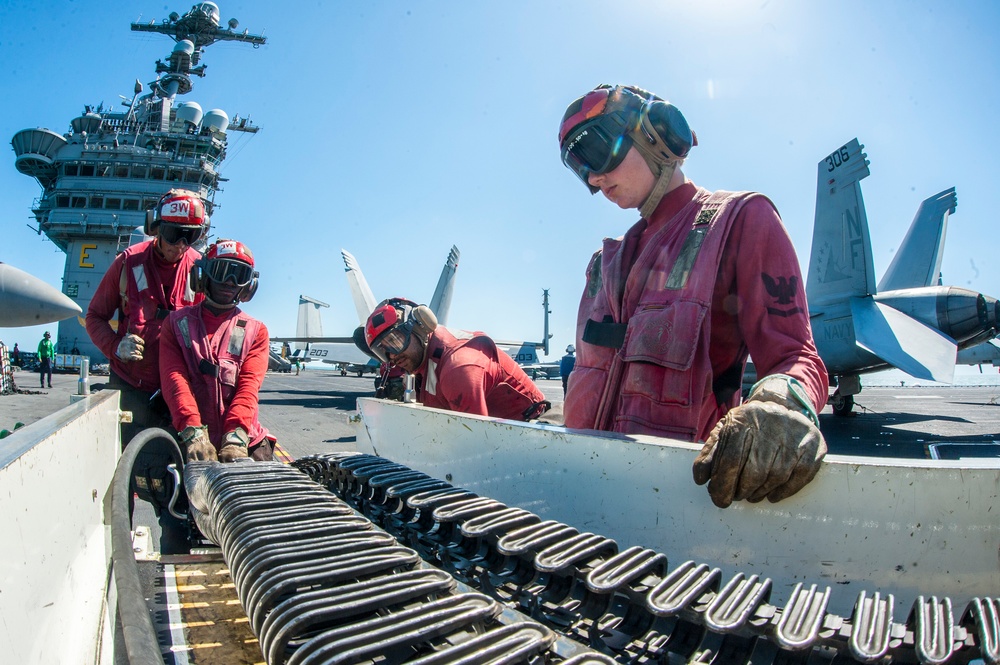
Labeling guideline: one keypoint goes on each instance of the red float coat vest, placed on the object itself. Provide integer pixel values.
(643, 332)
(470, 375)
(213, 366)
(143, 306)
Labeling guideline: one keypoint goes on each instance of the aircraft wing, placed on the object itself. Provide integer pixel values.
(364, 299)
(918, 260)
(441, 300)
(903, 342)
(840, 264)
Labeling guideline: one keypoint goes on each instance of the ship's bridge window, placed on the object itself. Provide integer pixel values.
(97, 202)
(139, 171)
(62, 201)
(192, 176)
(103, 170)
(174, 175)
(149, 204)
(79, 202)
(113, 204)
(87, 170)
(130, 204)
(157, 173)
(121, 170)
(72, 169)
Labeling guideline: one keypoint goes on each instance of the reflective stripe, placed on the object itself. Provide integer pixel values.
(139, 273)
(236, 338)
(185, 331)
(430, 385)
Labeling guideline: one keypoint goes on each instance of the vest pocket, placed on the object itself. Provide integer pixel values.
(660, 348)
(228, 373)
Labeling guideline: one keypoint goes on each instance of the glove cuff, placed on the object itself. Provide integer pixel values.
(237, 437)
(190, 432)
(786, 391)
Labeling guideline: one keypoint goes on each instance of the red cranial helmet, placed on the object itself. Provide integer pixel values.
(179, 215)
(227, 261)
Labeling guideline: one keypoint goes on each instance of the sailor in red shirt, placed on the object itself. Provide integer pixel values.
(145, 283)
(213, 358)
(672, 309)
(458, 371)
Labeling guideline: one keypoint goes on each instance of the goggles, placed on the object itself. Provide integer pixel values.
(224, 270)
(174, 233)
(597, 146)
(392, 341)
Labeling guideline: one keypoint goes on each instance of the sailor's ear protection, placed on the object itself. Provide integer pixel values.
(662, 120)
(151, 225)
(425, 320)
(246, 294)
(197, 277)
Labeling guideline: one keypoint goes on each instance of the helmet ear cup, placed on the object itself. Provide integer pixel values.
(152, 225)
(663, 120)
(246, 295)
(425, 320)
(197, 277)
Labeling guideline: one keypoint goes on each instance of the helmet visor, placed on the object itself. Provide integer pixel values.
(224, 270)
(596, 146)
(392, 341)
(174, 233)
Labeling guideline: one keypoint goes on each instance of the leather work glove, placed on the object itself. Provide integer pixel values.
(197, 446)
(130, 348)
(769, 446)
(234, 445)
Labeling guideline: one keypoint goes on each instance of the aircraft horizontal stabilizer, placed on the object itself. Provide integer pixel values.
(903, 342)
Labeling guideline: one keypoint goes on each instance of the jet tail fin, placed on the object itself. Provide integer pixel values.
(903, 342)
(309, 323)
(841, 263)
(441, 300)
(364, 299)
(918, 261)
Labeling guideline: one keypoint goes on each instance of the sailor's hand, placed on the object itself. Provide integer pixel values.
(130, 348)
(197, 445)
(769, 446)
(234, 445)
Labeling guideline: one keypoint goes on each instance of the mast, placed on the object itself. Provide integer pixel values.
(99, 179)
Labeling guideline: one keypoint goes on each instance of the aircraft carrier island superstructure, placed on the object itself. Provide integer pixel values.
(99, 179)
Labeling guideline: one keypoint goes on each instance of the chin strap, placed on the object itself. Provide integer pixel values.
(659, 189)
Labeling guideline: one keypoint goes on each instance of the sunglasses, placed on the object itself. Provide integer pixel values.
(597, 146)
(174, 233)
(392, 341)
(224, 270)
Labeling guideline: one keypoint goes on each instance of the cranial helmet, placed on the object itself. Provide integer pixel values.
(570, 349)
(184, 213)
(598, 129)
(391, 323)
(226, 261)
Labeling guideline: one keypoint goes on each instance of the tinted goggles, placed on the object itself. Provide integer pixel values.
(174, 233)
(392, 341)
(596, 146)
(224, 270)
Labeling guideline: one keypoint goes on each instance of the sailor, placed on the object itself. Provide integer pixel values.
(457, 370)
(144, 284)
(213, 358)
(566, 364)
(671, 309)
(46, 356)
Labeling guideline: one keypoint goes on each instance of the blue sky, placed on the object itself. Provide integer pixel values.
(396, 129)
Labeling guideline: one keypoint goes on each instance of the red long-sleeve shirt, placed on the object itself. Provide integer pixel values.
(176, 379)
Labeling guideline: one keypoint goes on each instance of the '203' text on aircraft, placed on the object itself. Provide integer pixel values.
(910, 320)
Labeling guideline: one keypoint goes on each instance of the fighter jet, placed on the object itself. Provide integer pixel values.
(26, 300)
(908, 321)
(312, 345)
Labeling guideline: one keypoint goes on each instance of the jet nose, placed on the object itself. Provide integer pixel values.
(26, 300)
